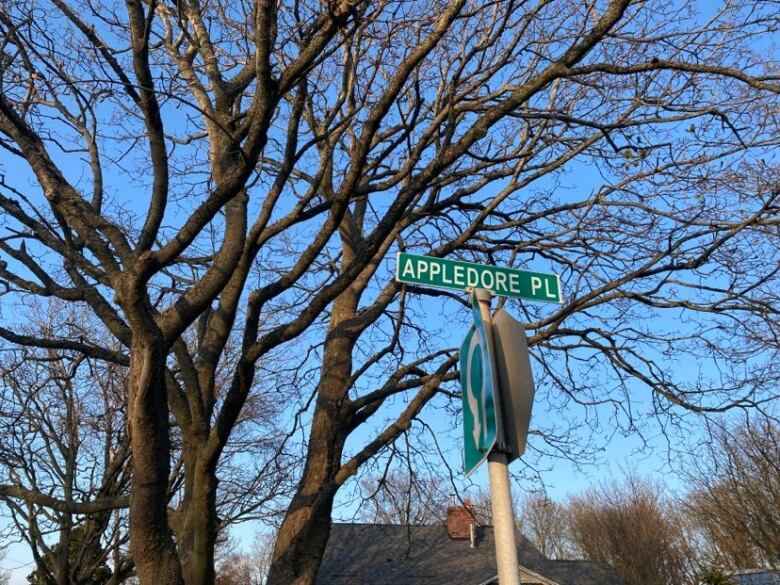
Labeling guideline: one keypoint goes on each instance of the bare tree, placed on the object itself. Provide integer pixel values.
(630, 526)
(63, 467)
(405, 498)
(735, 499)
(246, 568)
(5, 576)
(546, 523)
(221, 185)
(63, 459)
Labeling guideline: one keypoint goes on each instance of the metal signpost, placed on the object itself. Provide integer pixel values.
(495, 374)
(498, 466)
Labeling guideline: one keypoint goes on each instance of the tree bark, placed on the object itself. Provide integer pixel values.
(151, 541)
(62, 570)
(197, 533)
(303, 535)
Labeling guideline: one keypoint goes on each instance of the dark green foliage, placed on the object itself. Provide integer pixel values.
(714, 576)
(86, 564)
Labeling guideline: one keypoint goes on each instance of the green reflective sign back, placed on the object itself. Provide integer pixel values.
(480, 429)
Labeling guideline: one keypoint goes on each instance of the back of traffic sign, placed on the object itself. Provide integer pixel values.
(516, 383)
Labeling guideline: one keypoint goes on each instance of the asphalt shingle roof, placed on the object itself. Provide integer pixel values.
(577, 572)
(381, 554)
(757, 577)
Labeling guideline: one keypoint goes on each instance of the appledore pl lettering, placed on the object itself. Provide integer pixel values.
(455, 274)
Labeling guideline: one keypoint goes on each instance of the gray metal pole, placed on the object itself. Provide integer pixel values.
(498, 473)
(503, 520)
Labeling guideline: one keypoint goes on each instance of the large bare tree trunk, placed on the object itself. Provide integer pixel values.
(151, 541)
(304, 532)
(197, 532)
(62, 570)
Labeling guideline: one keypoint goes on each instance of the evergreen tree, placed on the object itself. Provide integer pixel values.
(85, 562)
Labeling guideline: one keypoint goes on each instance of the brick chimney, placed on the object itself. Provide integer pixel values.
(459, 521)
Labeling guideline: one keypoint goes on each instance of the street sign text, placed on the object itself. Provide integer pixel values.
(455, 274)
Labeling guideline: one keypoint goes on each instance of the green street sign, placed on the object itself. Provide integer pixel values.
(480, 429)
(455, 274)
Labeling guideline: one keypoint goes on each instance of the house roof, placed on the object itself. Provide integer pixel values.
(382, 554)
(756, 577)
(578, 572)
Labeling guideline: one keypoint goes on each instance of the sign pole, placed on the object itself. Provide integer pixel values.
(500, 495)
(503, 520)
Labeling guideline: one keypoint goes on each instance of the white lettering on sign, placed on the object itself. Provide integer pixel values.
(408, 269)
(459, 275)
(444, 275)
(536, 284)
(456, 274)
(500, 282)
(472, 276)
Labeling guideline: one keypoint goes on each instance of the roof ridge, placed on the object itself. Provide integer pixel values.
(575, 561)
(387, 524)
(443, 523)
